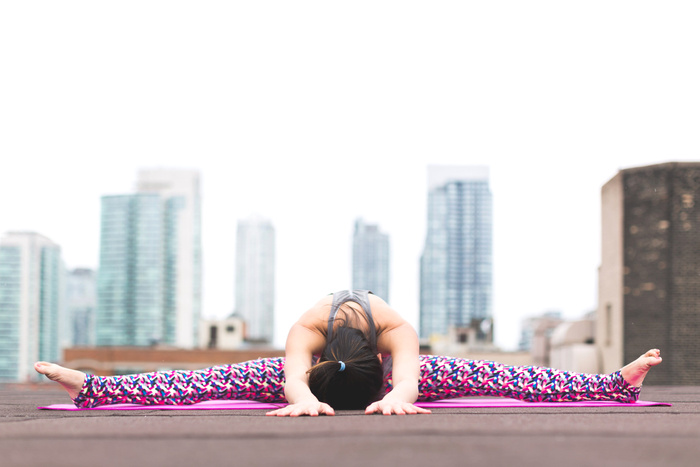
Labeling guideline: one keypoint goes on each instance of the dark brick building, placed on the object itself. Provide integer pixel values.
(649, 291)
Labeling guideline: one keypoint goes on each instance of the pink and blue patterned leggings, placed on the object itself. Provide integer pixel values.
(441, 378)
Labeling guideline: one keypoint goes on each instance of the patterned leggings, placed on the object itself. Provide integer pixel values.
(441, 378)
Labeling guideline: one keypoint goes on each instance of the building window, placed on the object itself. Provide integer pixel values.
(688, 200)
(213, 337)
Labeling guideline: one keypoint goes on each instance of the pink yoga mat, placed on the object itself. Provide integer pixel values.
(446, 403)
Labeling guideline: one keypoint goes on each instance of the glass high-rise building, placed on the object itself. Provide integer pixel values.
(31, 284)
(81, 302)
(370, 259)
(149, 281)
(456, 264)
(182, 261)
(255, 277)
(130, 278)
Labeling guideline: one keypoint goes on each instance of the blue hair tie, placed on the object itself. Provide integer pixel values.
(342, 365)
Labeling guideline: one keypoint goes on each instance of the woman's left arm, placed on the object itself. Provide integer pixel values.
(402, 344)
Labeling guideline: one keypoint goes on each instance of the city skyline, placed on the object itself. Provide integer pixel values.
(511, 345)
(242, 95)
(641, 206)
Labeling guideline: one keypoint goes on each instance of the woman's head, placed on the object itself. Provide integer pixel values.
(361, 379)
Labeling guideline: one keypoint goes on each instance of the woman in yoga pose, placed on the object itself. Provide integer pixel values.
(352, 351)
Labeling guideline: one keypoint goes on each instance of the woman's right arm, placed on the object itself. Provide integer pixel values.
(302, 342)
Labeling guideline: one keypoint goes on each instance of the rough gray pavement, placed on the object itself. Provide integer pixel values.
(644, 436)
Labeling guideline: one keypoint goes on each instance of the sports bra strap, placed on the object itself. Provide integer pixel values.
(360, 297)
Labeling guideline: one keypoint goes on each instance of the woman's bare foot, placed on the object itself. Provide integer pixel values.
(71, 380)
(635, 372)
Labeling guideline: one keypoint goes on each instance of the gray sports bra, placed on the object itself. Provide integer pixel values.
(360, 297)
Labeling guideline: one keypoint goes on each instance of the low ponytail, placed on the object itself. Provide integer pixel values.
(349, 375)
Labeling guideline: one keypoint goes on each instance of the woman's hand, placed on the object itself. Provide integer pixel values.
(389, 407)
(311, 408)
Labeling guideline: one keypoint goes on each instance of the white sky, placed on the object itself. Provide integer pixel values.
(314, 113)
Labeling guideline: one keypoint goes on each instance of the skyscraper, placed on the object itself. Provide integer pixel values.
(370, 259)
(456, 264)
(149, 281)
(130, 279)
(81, 302)
(182, 263)
(31, 273)
(255, 277)
(649, 276)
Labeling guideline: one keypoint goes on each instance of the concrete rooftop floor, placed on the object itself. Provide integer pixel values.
(668, 436)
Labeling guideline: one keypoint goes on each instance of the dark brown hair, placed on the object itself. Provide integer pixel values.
(360, 383)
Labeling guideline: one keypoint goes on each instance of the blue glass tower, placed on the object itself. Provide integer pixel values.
(130, 278)
(50, 303)
(31, 281)
(456, 265)
(10, 300)
(149, 281)
(179, 190)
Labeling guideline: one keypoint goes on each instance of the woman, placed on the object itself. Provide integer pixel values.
(352, 351)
